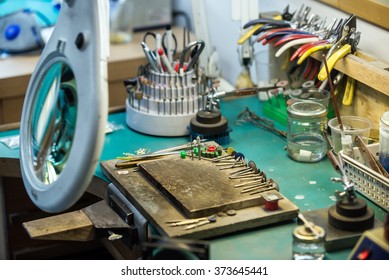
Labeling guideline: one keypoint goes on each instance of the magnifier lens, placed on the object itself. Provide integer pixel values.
(53, 121)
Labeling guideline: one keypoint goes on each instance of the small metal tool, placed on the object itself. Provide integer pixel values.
(192, 223)
(229, 155)
(211, 219)
(248, 176)
(309, 225)
(139, 97)
(185, 222)
(239, 157)
(250, 116)
(253, 182)
(251, 166)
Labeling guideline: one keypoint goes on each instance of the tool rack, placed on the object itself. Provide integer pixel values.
(372, 92)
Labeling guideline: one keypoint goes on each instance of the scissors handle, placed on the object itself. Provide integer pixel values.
(148, 34)
(169, 43)
(200, 47)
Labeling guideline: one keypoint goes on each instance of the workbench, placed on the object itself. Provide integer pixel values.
(307, 185)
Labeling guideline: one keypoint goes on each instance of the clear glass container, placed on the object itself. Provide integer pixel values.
(308, 245)
(384, 141)
(307, 122)
(121, 21)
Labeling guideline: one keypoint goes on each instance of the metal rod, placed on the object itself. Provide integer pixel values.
(259, 180)
(332, 91)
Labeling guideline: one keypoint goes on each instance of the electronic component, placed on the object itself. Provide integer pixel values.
(372, 245)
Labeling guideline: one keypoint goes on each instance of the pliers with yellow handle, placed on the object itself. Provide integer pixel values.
(330, 36)
(257, 24)
(312, 50)
(318, 40)
(346, 44)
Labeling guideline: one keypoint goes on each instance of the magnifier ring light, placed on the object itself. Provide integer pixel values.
(65, 109)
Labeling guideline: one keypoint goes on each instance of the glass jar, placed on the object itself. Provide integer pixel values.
(308, 245)
(121, 21)
(384, 141)
(307, 122)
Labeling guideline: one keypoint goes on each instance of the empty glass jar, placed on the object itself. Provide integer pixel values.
(307, 122)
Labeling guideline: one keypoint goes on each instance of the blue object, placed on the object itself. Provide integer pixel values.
(12, 31)
(20, 32)
(48, 8)
(371, 246)
(56, 7)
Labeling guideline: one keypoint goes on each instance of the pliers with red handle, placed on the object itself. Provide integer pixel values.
(330, 36)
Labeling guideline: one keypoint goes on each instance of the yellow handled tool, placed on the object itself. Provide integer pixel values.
(256, 24)
(249, 33)
(342, 52)
(312, 50)
(347, 43)
(348, 92)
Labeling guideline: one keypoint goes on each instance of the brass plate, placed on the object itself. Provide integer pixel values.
(196, 187)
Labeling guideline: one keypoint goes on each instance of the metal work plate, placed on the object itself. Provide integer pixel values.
(158, 210)
(196, 187)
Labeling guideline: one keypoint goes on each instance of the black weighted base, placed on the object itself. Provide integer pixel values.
(207, 122)
(349, 216)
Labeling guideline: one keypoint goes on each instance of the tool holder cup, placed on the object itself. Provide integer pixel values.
(162, 104)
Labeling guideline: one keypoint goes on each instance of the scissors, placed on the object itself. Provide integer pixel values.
(195, 48)
(161, 41)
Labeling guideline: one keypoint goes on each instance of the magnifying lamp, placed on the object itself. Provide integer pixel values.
(65, 108)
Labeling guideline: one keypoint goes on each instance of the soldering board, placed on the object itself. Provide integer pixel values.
(173, 188)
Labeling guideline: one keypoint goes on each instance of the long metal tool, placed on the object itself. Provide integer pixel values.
(333, 98)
